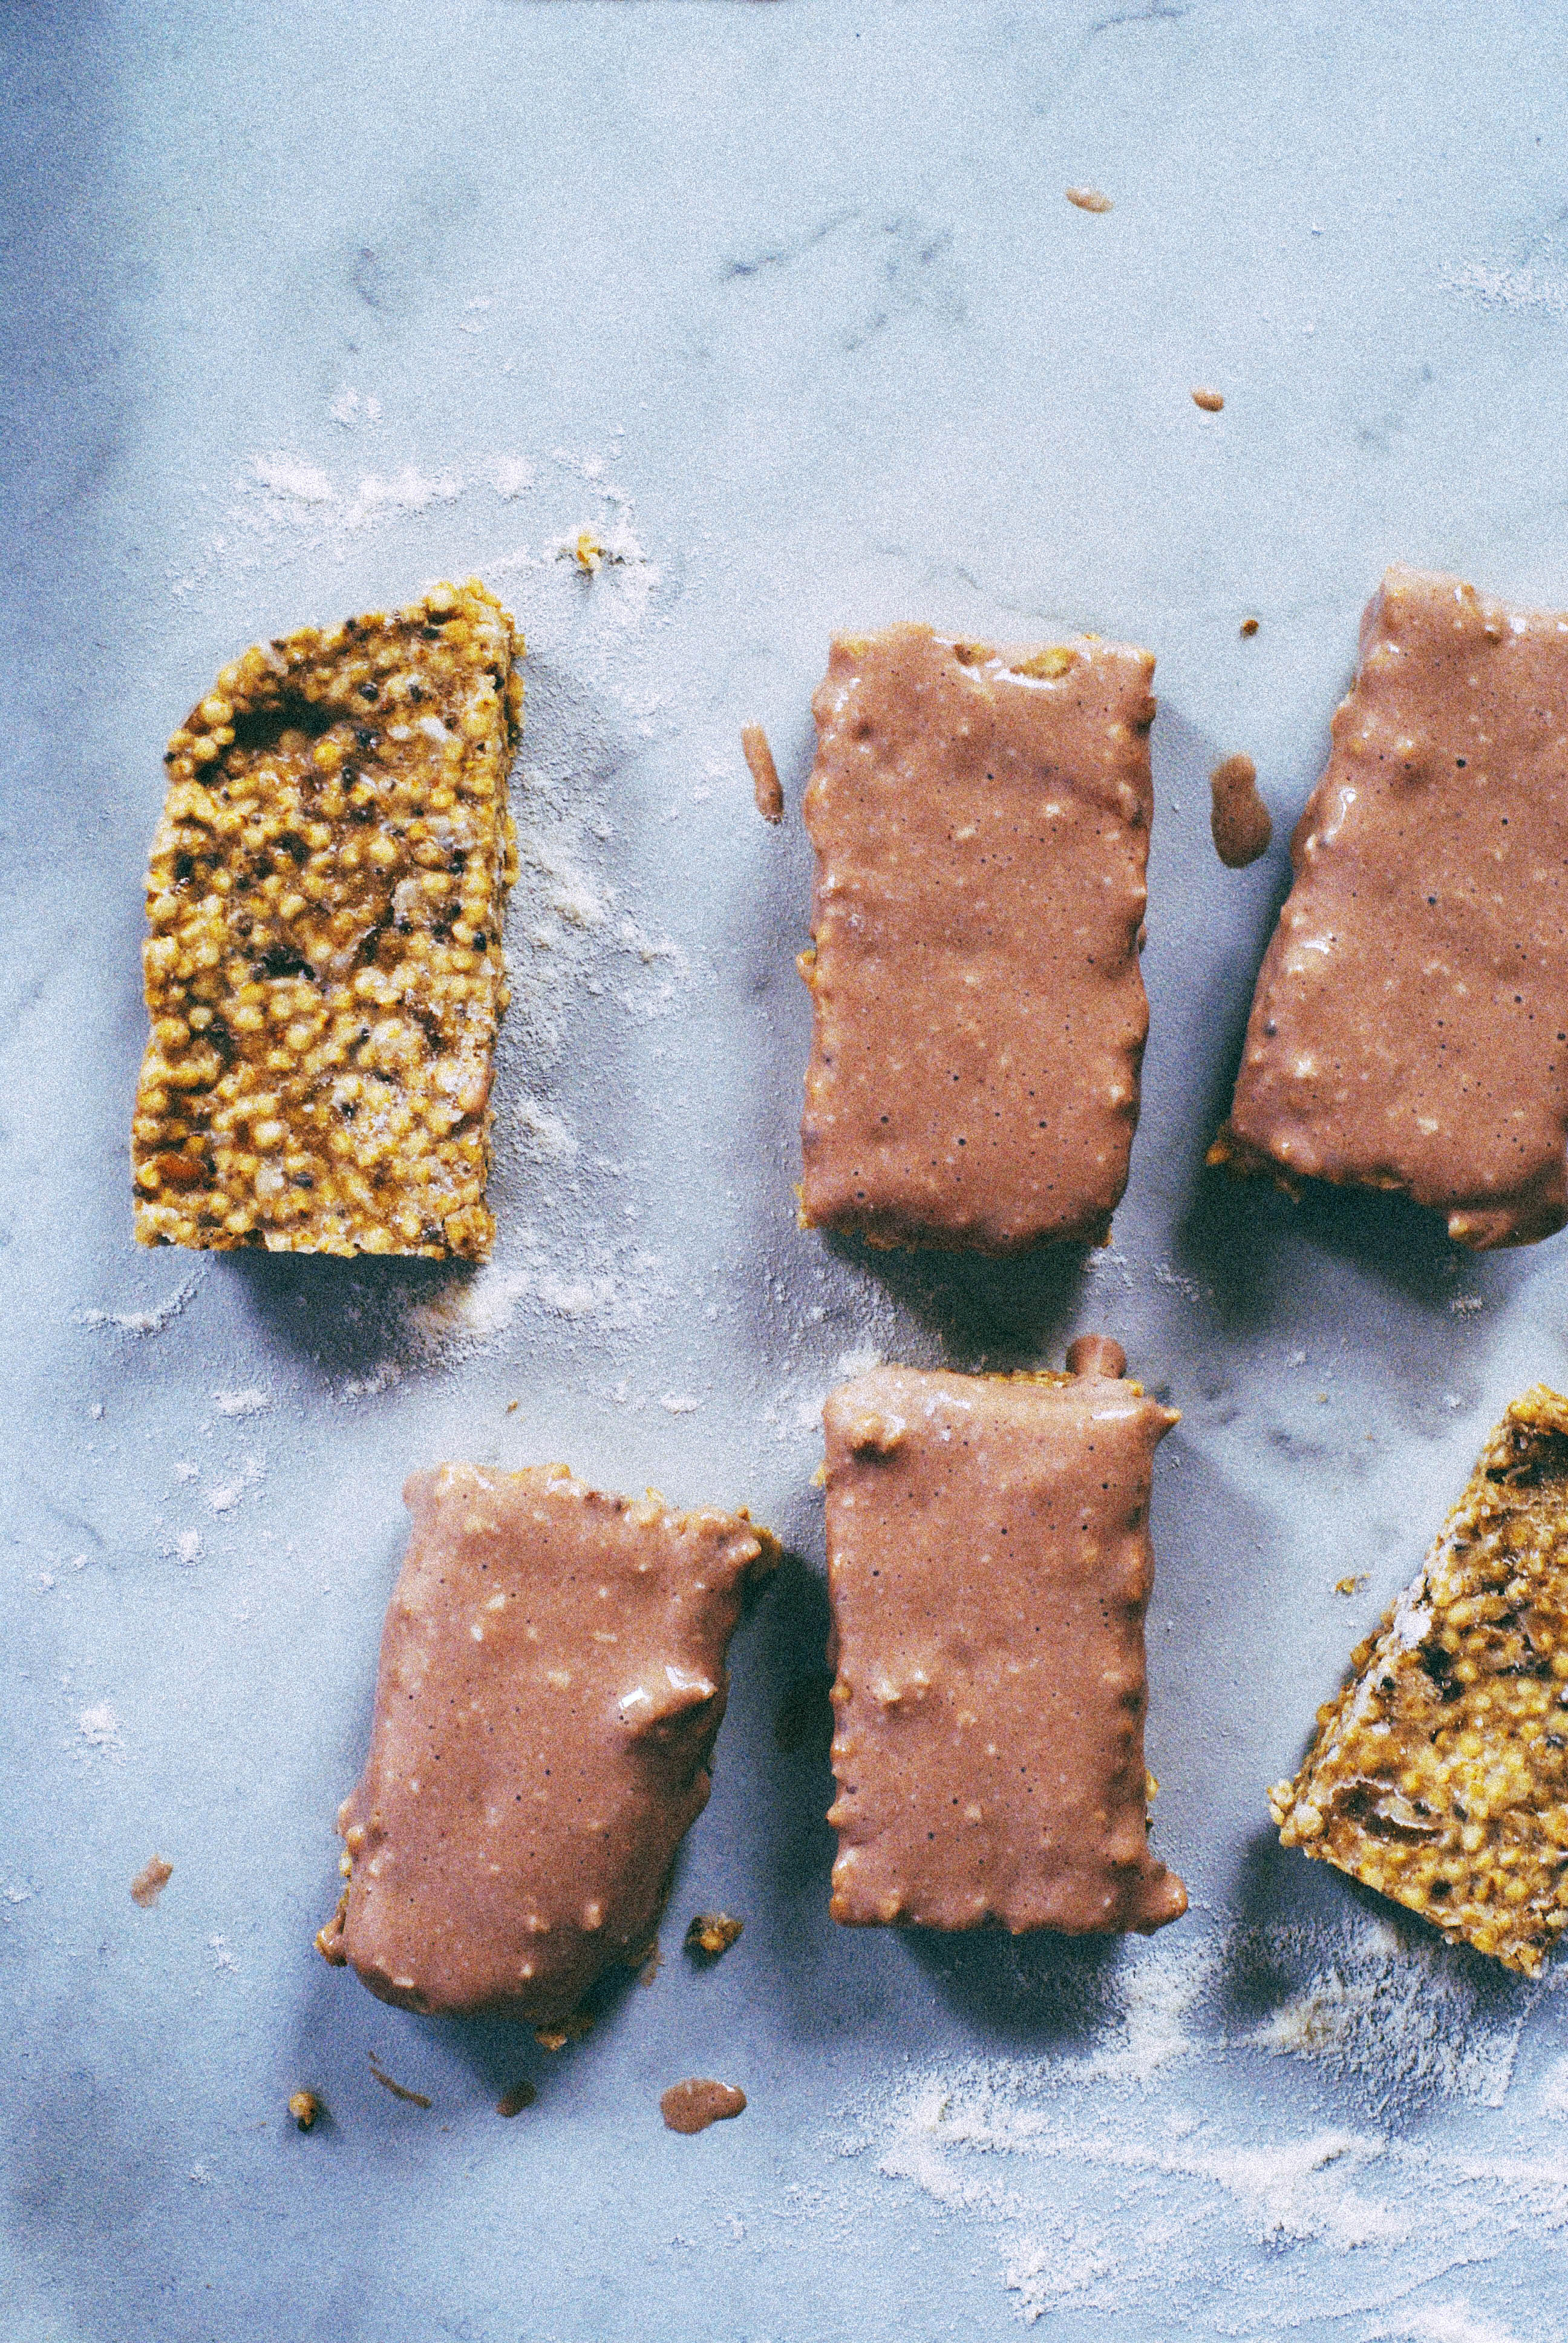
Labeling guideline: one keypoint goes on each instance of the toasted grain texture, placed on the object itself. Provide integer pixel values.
(1440, 1774)
(324, 971)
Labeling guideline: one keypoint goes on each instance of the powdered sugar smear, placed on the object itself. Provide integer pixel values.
(600, 1288)
(1444, 2322)
(141, 1321)
(1143, 2175)
(241, 1403)
(586, 564)
(1406, 2025)
(1496, 286)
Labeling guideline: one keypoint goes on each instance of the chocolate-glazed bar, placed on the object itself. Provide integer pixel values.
(981, 820)
(1410, 1026)
(552, 1680)
(1440, 1774)
(989, 1567)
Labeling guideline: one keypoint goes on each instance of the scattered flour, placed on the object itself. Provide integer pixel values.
(1443, 2322)
(1145, 2173)
(545, 1137)
(1497, 286)
(141, 1321)
(223, 1499)
(371, 1386)
(223, 1958)
(679, 1403)
(241, 1403)
(602, 1288)
(187, 1545)
(100, 1729)
(1406, 2021)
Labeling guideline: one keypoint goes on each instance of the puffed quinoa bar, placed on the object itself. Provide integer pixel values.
(324, 969)
(1440, 1774)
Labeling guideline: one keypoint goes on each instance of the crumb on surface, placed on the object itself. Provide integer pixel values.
(1240, 822)
(304, 2108)
(711, 1934)
(1249, 626)
(328, 1940)
(150, 1882)
(323, 969)
(570, 2029)
(690, 2106)
(1438, 1776)
(1089, 199)
(512, 2103)
(1352, 1585)
(1210, 401)
(398, 2090)
(588, 553)
(767, 788)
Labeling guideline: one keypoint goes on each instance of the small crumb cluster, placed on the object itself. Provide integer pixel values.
(1440, 1774)
(150, 1882)
(324, 971)
(711, 1934)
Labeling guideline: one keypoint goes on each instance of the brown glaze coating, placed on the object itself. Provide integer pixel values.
(692, 2107)
(988, 1566)
(1410, 1027)
(981, 828)
(552, 1679)
(1241, 823)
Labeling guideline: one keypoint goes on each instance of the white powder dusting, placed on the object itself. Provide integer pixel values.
(858, 1363)
(1495, 285)
(140, 1321)
(1553, 2096)
(1405, 2022)
(511, 476)
(545, 1137)
(292, 481)
(100, 1729)
(593, 1287)
(371, 1386)
(1443, 2322)
(241, 1403)
(679, 1403)
(223, 1958)
(1147, 2168)
(227, 1497)
(187, 1545)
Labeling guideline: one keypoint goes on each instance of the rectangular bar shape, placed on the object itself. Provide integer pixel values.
(324, 971)
(552, 1680)
(989, 1567)
(1410, 1026)
(980, 821)
(1438, 1776)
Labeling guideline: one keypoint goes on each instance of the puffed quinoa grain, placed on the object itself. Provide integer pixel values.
(324, 971)
(1440, 1774)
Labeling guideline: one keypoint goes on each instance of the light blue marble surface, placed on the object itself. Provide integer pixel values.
(306, 306)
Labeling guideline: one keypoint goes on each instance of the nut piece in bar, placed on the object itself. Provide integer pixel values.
(1440, 1774)
(1410, 1026)
(981, 820)
(552, 1680)
(988, 1566)
(323, 968)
